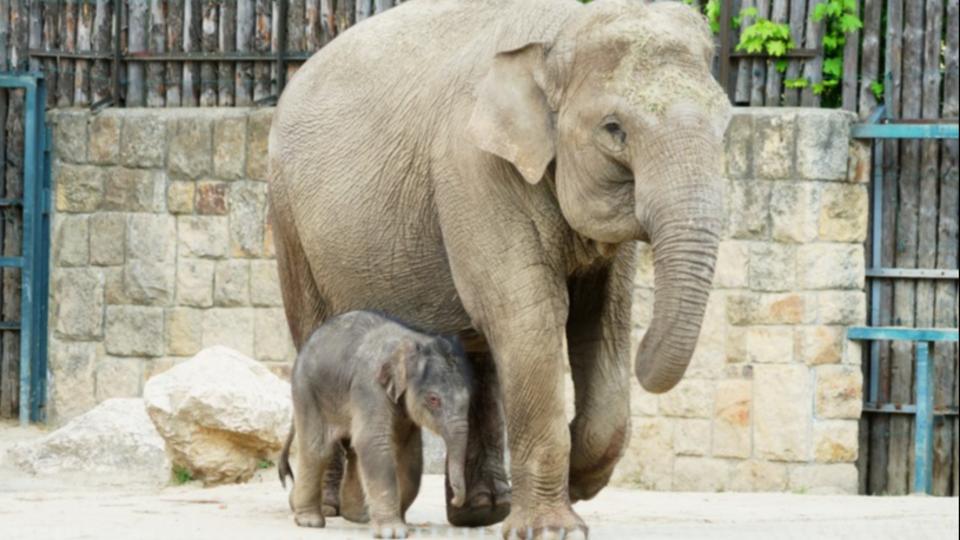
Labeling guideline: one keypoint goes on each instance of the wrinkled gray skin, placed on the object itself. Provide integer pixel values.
(368, 383)
(485, 168)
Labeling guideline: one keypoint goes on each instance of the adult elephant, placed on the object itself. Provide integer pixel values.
(485, 168)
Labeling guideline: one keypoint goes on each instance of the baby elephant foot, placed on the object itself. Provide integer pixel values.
(390, 529)
(329, 510)
(543, 524)
(309, 518)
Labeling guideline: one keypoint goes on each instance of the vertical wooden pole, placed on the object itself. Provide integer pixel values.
(226, 79)
(798, 19)
(851, 50)
(136, 43)
(174, 44)
(102, 34)
(81, 82)
(759, 71)
(190, 95)
(945, 354)
(50, 27)
(744, 78)
(246, 12)
(68, 43)
(870, 62)
(774, 86)
(208, 70)
(261, 70)
(296, 18)
(725, 48)
(813, 66)
(157, 43)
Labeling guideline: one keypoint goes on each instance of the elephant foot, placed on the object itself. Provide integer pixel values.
(328, 510)
(355, 513)
(488, 500)
(309, 518)
(559, 522)
(590, 471)
(390, 529)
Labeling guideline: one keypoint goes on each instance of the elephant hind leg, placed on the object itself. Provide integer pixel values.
(303, 303)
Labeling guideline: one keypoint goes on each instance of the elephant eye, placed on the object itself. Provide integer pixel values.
(433, 401)
(615, 131)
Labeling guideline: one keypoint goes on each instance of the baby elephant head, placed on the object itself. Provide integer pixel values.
(433, 378)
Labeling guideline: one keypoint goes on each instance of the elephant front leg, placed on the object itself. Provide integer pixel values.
(378, 471)
(598, 331)
(530, 357)
(488, 491)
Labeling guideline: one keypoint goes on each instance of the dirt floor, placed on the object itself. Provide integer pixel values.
(110, 508)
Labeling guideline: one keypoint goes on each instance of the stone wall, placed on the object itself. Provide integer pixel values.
(161, 248)
(771, 399)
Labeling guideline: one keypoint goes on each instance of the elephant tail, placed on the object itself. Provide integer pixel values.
(283, 467)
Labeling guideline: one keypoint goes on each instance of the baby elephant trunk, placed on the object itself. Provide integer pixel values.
(456, 442)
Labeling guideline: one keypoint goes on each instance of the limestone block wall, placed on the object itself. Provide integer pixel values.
(771, 399)
(161, 247)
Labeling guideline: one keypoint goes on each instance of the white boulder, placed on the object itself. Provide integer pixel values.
(115, 440)
(220, 413)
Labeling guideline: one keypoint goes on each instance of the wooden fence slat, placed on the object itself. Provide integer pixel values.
(100, 81)
(68, 42)
(927, 233)
(364, 9)
(742, 92)
(870, 61)
(208, 71)
(774, 85)
(798, 15)
(296, 42)
(137, 18)
(226, 80)
(81, 81)
(50, 11)
(174, 44)
(246, 11)
(190, 94)
(157, 43)
(36, 32)
(346, 14)
(9, 371)
(851, 51)
(264, 30)
(812, 67)
(904, 297)
(382, 5)
(945, 306)
(314, 30)
(328, 21)
(758, 71)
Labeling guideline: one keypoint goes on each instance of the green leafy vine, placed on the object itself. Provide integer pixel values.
(774, 39)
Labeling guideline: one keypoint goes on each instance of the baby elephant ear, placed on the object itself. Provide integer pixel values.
(393, 371)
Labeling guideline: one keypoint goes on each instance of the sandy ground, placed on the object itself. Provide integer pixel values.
(110, 508)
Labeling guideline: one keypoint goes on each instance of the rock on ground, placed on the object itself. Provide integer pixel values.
(116, 438)
(220, 413)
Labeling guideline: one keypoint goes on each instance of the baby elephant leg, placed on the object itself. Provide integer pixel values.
(353, 503)
(378, 469)
(332, 480)
(314, 456)
(409, 470)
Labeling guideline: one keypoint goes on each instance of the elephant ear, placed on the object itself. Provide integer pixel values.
(392, 375)
(512, 117)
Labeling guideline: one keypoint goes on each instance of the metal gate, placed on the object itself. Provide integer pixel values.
(33, 259)
(923, 407)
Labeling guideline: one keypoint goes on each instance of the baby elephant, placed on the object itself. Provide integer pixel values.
(369, 383)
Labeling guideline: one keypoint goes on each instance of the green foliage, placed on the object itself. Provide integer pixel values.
(264, 464)
(795, 83)
(877, 88)
(840, 18)
(181, 475)
(765, 36)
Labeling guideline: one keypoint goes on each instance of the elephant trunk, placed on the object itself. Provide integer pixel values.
(683, 215)
(456, 443)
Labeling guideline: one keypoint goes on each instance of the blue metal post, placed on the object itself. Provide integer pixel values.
(923, 434)
(30, 176)
(876, 255)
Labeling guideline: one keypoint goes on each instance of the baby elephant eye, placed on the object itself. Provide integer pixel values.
(433, 401)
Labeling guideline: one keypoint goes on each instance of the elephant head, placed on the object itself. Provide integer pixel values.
(614, 101)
